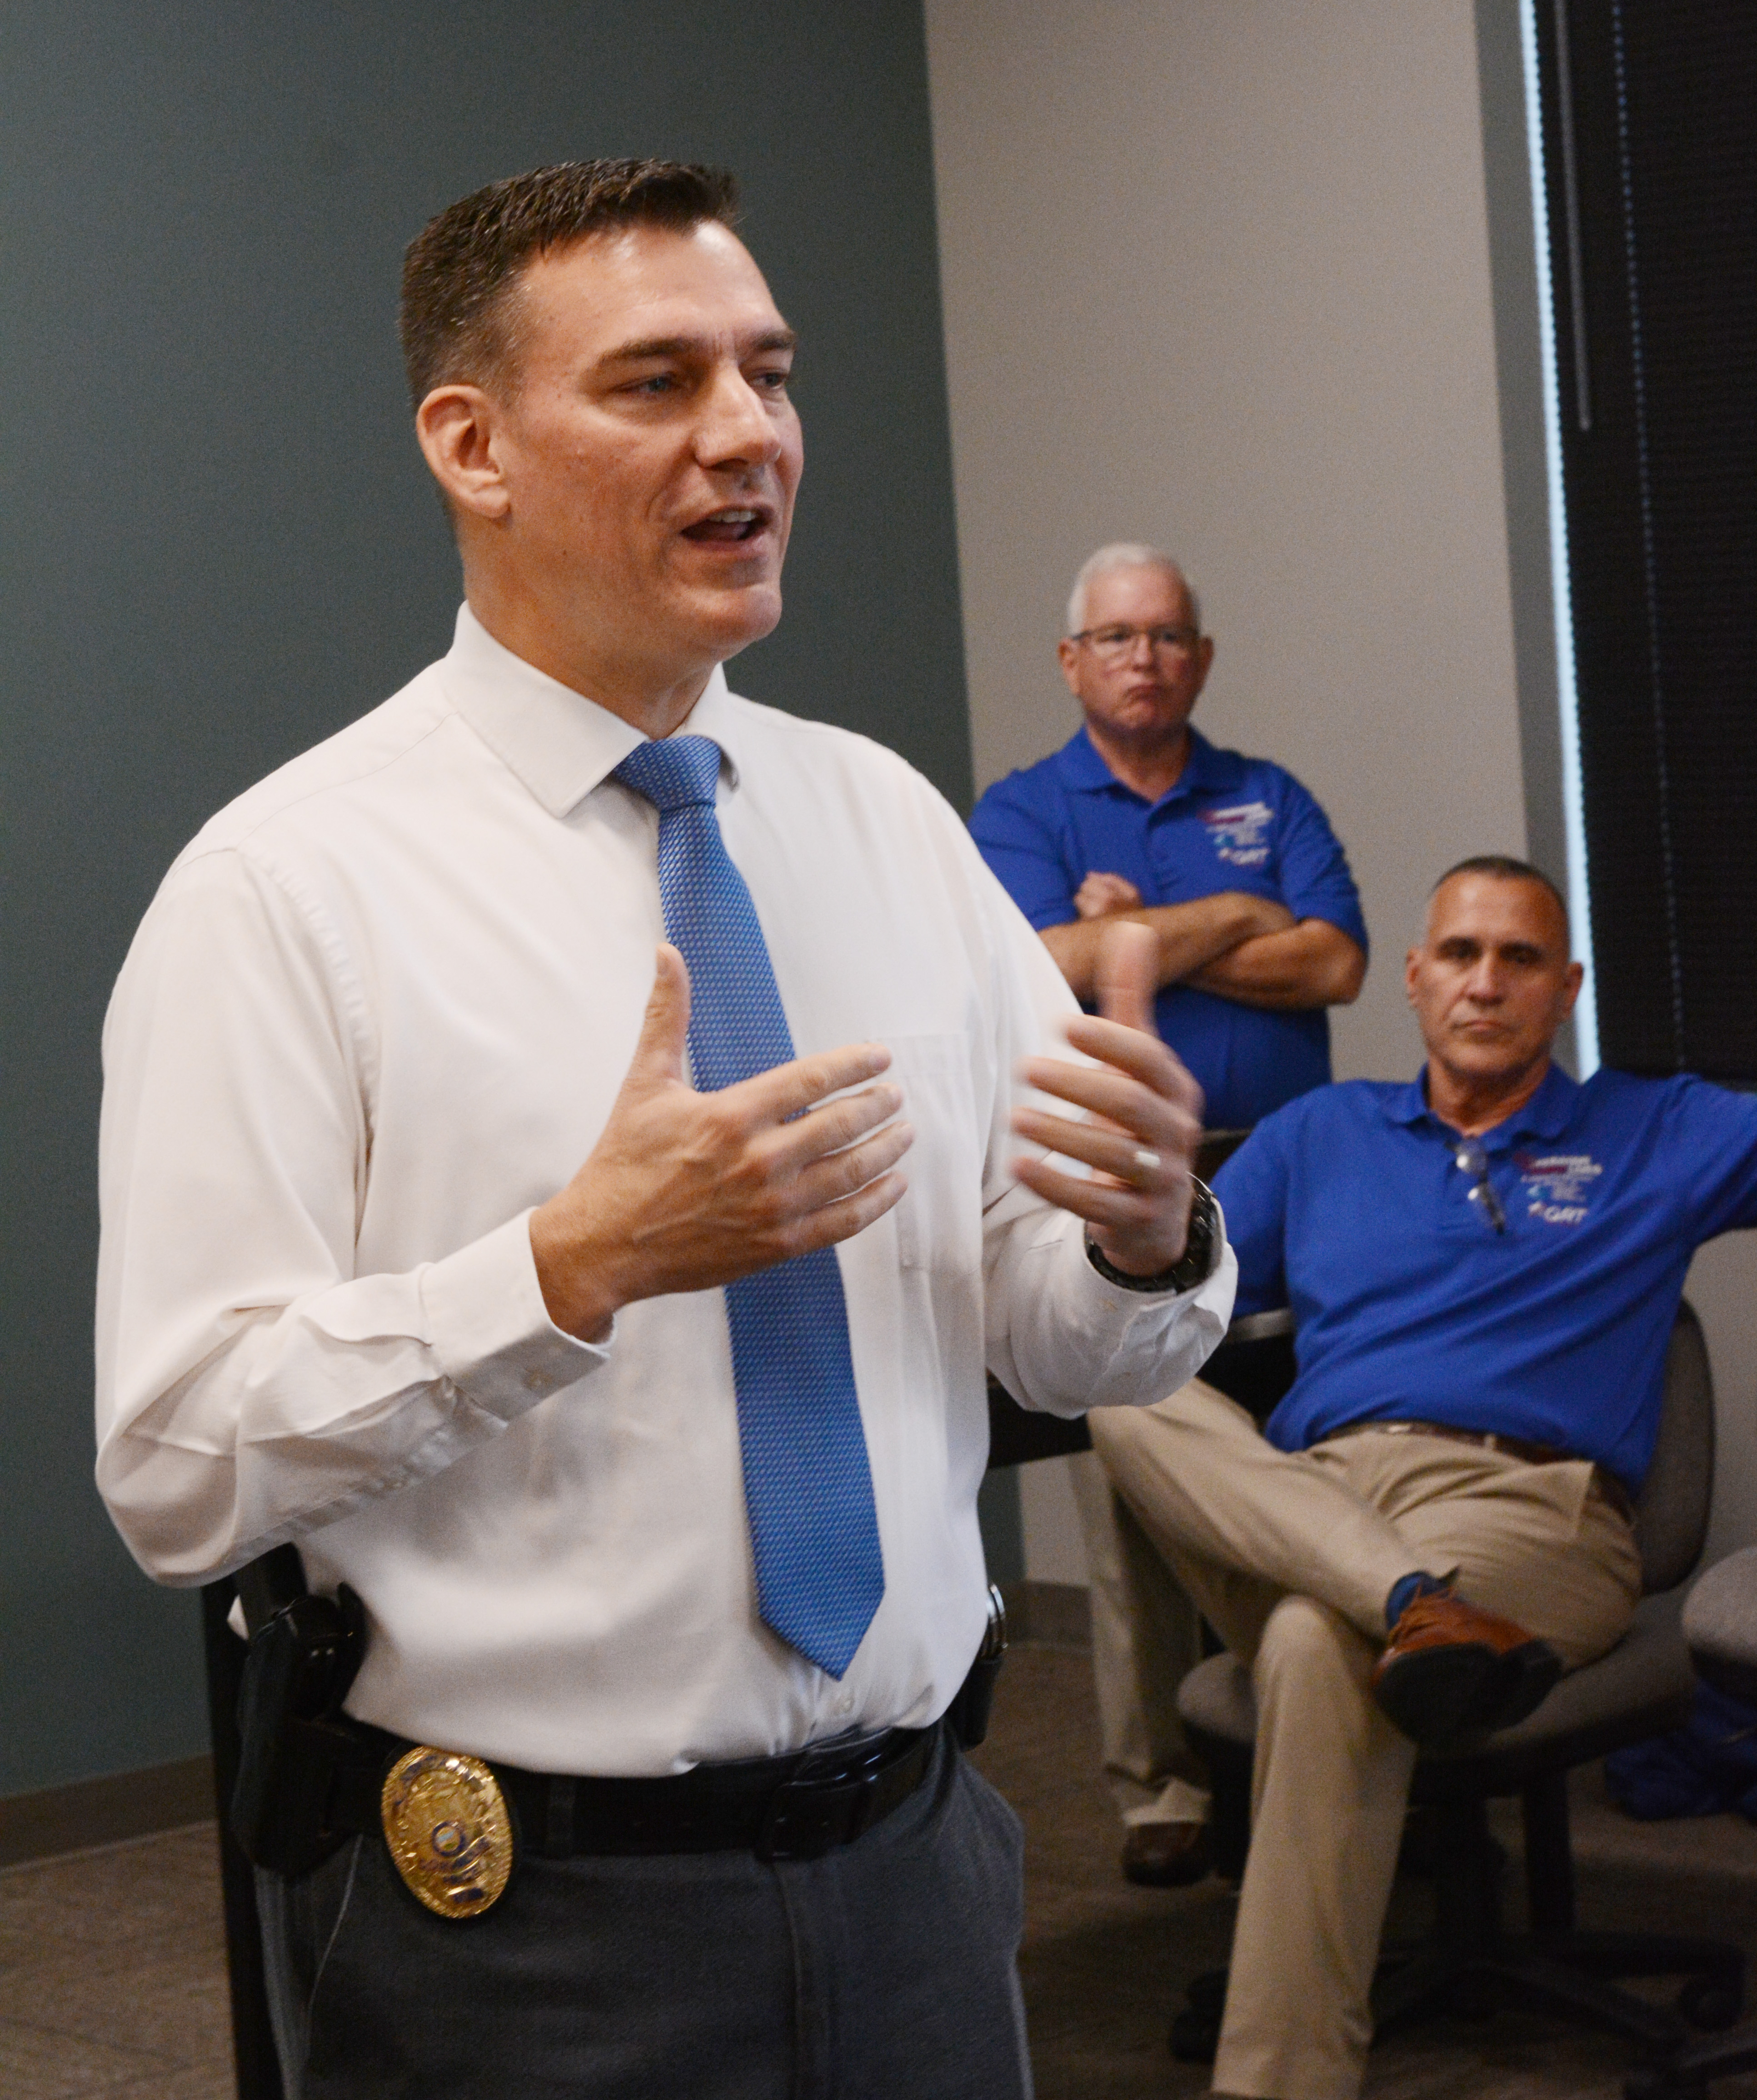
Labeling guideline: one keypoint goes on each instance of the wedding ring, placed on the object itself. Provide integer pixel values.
(1149, 1162)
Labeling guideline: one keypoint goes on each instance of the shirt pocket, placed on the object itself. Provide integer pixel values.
(939, 1218)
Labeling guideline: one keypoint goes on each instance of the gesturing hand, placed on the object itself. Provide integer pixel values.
(1101, 894)
(684, 1191)
(1144, 1116)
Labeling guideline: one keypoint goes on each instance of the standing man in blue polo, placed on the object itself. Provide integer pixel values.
(1229, 859)
(1235, 866)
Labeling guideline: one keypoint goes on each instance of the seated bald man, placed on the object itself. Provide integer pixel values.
(1484, 1267)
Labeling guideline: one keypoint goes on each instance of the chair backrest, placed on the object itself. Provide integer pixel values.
(1254, 1363)
(1216, 1148)
(1671, 1513)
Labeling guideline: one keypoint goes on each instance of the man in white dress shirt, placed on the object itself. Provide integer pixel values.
(358, 1291)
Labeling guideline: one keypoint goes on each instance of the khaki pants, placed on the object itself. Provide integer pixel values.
(1146, 1636)
(1291, 1558)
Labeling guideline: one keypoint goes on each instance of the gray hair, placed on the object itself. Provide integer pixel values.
(1125, 554)
(1504, 868)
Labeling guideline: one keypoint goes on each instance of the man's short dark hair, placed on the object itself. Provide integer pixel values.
(1508, 870)
(457, 321)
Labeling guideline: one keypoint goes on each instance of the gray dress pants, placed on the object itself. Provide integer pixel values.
(884, 1971)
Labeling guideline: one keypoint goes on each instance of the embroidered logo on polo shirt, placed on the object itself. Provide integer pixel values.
(1238, 832)
(1557, 1184)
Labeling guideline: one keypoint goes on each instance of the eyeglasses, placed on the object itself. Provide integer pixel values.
(1472, 1159)
(1114, 643)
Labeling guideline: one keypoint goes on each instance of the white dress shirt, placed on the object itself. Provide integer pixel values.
(379, 1009)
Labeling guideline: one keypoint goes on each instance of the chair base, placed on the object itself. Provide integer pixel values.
(1687, 2076)
(1571, 1976)
(1468, 1965)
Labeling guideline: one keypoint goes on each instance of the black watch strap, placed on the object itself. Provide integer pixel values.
(1194, 1265)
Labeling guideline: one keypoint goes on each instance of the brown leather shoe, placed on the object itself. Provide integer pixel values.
(1165, 1855)
(1452, 1673)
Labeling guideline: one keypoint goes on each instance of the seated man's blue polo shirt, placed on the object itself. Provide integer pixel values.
(1229, 823)
(1349, 1206)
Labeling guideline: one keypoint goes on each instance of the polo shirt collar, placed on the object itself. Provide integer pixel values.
(1547, 1114)
(560, 744)
(1206, 770)
(1081, 766)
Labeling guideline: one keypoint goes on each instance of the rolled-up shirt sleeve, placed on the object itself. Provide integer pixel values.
(251, 1384)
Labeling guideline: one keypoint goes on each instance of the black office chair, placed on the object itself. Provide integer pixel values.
(1640, 1688)
(1720, 1631)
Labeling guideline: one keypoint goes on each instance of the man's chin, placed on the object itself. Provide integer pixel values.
(732, 617)
(1149, 726)
(1486, 1061)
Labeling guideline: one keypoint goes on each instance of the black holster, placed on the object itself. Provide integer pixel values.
(305, 1652)
(969, 1710)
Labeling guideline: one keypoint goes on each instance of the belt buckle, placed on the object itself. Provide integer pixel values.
(802, 1821)
(815, 1810)
(450, 1836)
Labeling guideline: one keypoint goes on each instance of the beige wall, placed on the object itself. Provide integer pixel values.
(1217, 276)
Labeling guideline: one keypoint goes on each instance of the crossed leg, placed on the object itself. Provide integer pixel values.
(1291, 1556)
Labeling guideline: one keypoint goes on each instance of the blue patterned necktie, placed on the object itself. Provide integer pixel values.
(808, 1486)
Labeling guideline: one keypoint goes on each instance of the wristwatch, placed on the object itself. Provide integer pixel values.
(1197, 1263)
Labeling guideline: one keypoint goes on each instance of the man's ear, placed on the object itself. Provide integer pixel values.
(1205, 655)
(1572, 980)
(458, 428)
(1067, 653)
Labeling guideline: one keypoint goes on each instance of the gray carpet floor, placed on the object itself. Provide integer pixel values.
(113, 1968)
(1105, 1965)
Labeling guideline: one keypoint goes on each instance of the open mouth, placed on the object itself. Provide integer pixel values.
(726, 527)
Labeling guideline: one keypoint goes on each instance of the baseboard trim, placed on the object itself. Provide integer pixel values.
(102, 1811)
(1049, 1614)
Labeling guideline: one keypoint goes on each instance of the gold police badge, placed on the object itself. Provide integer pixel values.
(446, 1823)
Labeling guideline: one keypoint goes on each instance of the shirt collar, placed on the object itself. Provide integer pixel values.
(1206, 770)
(1547, 1114)
(561, 744)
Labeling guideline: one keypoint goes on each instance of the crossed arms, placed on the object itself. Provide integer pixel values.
(1246, 948)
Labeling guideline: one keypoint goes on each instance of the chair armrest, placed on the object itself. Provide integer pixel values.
(1721, 1625)
(1018, 1435)
(1260, 1326)
(1254, 1363)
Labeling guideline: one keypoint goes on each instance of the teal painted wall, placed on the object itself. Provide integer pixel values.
(218, 544)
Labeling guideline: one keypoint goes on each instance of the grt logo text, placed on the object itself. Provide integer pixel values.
(1557, 1185)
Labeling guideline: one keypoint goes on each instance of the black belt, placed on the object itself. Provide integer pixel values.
(797, 1806)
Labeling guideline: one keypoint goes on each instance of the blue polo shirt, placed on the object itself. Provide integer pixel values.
(1349, 1206)
(1229, 823)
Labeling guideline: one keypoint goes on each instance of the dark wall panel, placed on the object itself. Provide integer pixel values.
(1652, 192)
(218, 543)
